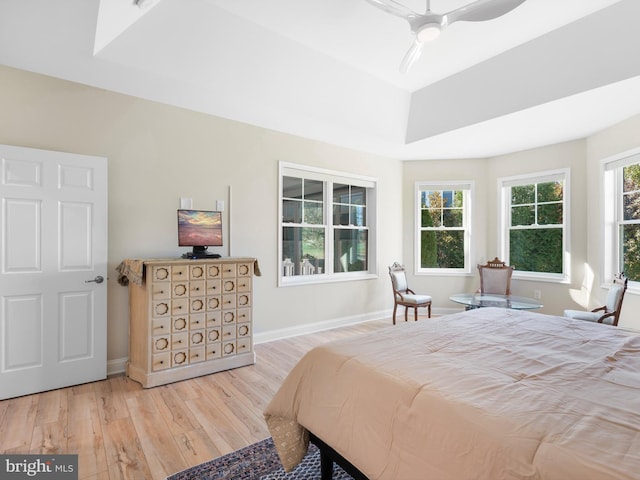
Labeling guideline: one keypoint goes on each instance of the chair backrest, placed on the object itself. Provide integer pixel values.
(615, 296)
(398, 278)
(495, 277)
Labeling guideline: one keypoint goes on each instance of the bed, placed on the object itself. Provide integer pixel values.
(487, 394)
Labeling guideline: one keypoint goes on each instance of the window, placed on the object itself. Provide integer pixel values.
(443, 218)
(327, 225)
(622, 217)
(534, 224)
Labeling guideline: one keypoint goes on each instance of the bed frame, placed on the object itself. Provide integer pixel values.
(328, 456)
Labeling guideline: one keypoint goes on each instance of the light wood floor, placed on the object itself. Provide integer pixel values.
(122, 431)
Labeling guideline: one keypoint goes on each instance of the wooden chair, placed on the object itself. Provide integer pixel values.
(404, 296)
(609, 313)
(495, 277)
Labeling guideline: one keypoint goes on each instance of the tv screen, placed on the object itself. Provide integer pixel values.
(199, 229)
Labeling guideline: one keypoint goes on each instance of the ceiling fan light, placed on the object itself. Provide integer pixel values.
(143, 4)
(428, 32)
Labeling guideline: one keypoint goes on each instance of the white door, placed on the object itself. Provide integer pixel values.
(53, 249)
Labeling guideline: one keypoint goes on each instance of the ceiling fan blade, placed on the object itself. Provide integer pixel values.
(394, 8)
(482, 10)
(411, 56)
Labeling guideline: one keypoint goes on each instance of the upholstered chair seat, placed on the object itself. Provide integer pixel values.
(415, 299)
(609, 313)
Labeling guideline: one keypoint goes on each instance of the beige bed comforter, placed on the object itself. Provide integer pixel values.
(487, 394)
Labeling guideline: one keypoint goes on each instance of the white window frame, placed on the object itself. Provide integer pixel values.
(468, 187)
(504, 221)
(286, 169)
(612, 214)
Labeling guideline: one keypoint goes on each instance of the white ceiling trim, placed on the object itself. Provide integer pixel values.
(327, 70)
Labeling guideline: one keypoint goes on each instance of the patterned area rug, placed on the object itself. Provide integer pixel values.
(258, 462)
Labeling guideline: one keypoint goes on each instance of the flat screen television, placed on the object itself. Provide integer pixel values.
(199, 229)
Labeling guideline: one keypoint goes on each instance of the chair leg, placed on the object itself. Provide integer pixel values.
(395, 307)
(429, 310)
(415, 314)
(406, 309)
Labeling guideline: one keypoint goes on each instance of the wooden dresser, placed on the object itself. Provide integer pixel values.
(190, 318)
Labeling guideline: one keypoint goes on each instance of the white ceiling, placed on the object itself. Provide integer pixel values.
(547, 72)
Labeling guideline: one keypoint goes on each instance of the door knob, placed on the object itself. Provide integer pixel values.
(98, 279)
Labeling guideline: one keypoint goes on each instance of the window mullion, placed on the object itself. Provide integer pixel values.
(328, 223)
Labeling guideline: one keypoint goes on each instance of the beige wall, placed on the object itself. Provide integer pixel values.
(584, 158)
(157, 154)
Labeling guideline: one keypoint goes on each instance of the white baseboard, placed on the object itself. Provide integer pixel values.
(282, 333)
(288, 332)
(119, 365)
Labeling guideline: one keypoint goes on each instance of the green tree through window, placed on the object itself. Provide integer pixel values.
(327, 225)
(536, 228)
(442, 230)
(630, 222)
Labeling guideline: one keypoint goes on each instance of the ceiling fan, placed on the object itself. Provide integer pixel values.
(426, 27)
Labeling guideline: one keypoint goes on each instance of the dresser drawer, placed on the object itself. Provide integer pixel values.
(161, 273)
(214, 335)
(244, 299)
(213, 287)
(197, 272)
(228, 285)
(179, 289)
(229, 301)
(214, 319)
(214, 271)
(180, 306)
(245, 269)
(197, 305)
(179, 358)
(243, 284)
(160, 326)
(196, 338)
(161, 308)
(160, 361)
(214, 351)
(243, 315)
(229, 317)
(160, 290)
(179, 273)
(197, 288)
(228, 348)
(179, 340)
(214, 302)
(197, 355)
(228, 332)
(229, 270)
(161, 343)
(179, 324)
(243, 330)
(243, 345)
(196, 321)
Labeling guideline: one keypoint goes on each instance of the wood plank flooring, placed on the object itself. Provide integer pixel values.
(122, 431)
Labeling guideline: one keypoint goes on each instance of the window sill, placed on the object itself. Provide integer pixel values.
(299, 280)
(444, 273)
(540, 277)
